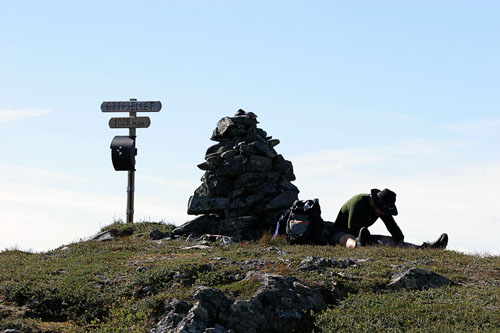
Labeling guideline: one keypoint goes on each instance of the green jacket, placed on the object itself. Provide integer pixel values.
(357, 213)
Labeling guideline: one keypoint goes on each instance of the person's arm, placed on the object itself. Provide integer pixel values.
(393, 228)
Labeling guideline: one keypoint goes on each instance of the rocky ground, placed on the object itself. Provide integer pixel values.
(142, 278)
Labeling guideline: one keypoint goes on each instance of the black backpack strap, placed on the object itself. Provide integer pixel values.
(282, 218)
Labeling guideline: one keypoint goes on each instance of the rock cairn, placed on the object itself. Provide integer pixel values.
(246, 182)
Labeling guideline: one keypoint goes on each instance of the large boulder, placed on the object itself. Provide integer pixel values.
(279, 305)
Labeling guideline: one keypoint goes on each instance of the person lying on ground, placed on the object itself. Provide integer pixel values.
(361, 211)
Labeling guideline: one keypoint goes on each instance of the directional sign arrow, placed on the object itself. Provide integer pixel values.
(131, 106)
(129, 122)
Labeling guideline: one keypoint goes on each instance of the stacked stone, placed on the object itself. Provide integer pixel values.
(246, 182)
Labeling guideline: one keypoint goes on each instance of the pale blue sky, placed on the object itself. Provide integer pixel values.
(361, 95)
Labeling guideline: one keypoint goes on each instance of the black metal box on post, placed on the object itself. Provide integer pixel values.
(123, 153)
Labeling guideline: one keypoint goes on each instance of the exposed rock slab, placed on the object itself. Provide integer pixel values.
(156, 234)
(418, 278)
(201, 205)
(204, 224)
(104, 236)
(311, 263)
(278, 305)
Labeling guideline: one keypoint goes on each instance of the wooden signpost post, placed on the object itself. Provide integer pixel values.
(123, 149)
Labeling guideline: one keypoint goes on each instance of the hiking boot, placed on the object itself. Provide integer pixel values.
(363, 237)
(439, 243)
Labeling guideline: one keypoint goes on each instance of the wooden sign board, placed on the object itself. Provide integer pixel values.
(129, 122)
(131, 106)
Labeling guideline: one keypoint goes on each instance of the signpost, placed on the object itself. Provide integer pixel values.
(123, 149)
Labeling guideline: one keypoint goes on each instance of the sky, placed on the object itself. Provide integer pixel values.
(362, 95)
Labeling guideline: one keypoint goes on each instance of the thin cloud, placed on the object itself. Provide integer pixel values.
(8, 115)
(437, 191)
(476, 128)
(9, 170)
(56, 197)
(399, 116)
(171, 183)
(41, 200)
(364, 161)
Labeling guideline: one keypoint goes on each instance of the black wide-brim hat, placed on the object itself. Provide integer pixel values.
(385, 200)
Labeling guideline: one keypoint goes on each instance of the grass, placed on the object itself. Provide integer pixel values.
(122, 285)
(434, 310)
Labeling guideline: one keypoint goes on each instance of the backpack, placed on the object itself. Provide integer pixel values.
(304, 224)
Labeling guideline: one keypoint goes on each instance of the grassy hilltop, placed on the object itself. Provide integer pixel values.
(122, 285)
